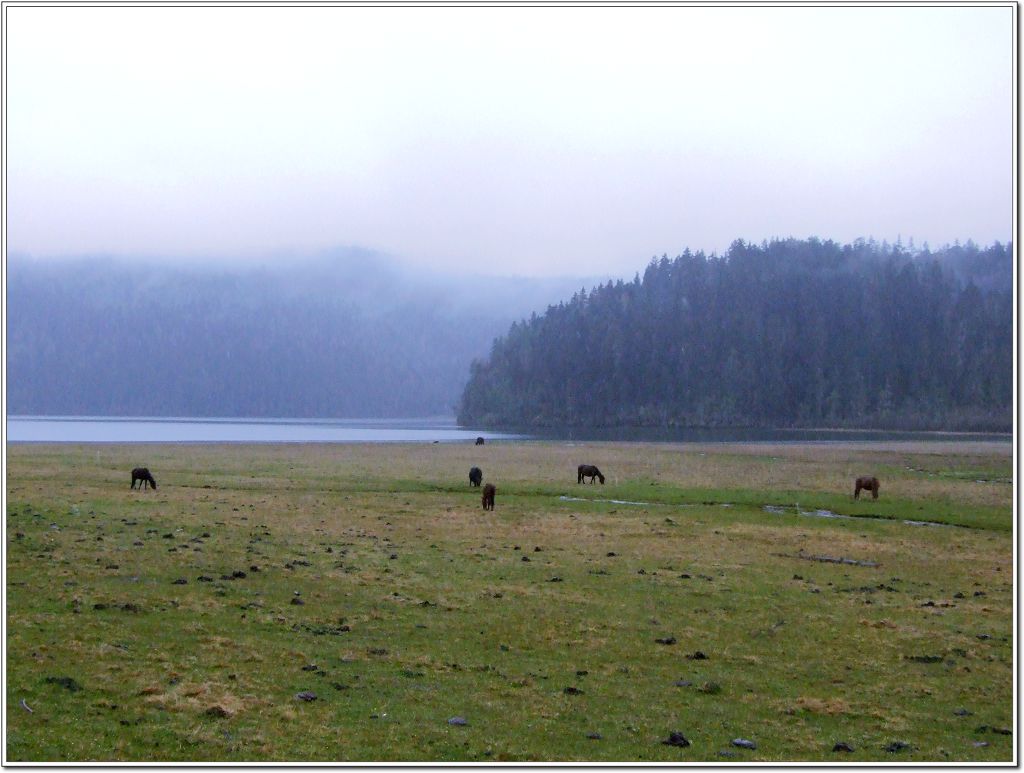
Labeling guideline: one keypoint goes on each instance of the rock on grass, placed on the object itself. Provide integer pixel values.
(676, 738)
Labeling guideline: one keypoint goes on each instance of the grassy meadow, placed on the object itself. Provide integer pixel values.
(355, 603)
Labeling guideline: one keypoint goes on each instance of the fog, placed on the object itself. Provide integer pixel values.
(502, 141)
(336, 334)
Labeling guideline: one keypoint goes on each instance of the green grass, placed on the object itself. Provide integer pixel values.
(418, 606)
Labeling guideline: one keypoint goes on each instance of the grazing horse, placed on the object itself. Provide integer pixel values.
(475, 476)
(867, 483)
(479, 441)
(588, 471)
(142, 476)
(487, 500)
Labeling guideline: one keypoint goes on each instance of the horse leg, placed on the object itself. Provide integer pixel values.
(856, 492)
(874, 492)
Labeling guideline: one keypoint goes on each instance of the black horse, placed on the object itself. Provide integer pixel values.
(487, 499)
(479, 441)
(588, 471)
(475, 476)
(868, 483)
(142, 476)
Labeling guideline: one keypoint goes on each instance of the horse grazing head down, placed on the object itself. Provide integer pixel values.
(475, 476)
(142, 476)
(868, 483)
(487, 498)
(588, 471)
(479, 441)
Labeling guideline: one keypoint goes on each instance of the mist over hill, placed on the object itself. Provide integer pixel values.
(336, 335)
(788, 333)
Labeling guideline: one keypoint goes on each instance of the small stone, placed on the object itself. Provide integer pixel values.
(573, 691)
(536, 549)
(310, 667)
(555, 579)
(676, 739)
(683, 683)
(897, 746)
(611, 554)
(217, 711)
(668, 640)
(297, 601)
(963, 713)
(594, 736)
(458, 721)
(842, 746)
(306, 695)
(743, 743)
(204, 578)
(180, 581)
(525, 558)
(698, 655)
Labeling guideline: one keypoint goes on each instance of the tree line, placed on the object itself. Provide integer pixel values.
(787, 333)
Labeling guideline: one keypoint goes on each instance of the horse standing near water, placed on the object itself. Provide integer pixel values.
(475, 476)
(142, 476)
(868, 483)
(588, 471)
(487, 499)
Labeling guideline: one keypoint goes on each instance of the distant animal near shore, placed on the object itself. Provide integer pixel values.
(588, 471)
(867, 483)
(142, 476)
(487, 499)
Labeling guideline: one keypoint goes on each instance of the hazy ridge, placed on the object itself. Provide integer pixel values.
(343, 334)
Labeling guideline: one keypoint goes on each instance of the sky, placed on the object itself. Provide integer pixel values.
(530, 141)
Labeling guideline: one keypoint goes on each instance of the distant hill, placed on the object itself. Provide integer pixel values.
(348, 334)
(789, 333)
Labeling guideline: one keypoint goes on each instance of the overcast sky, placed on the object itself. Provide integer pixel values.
(525, 141)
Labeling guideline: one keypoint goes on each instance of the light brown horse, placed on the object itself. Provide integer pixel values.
(868, 483)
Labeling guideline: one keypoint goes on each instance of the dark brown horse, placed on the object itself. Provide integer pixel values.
(141, 476)
(588, 471)
(487, 500)
(475, 476)
(479, 441)
(867, 483)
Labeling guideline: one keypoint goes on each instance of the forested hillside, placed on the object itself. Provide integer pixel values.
(787, 333)
(346, 336)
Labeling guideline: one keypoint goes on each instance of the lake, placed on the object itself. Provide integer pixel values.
(108, 429)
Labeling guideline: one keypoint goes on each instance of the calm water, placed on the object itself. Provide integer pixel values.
(105, 429)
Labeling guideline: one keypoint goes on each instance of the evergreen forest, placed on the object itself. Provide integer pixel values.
(788, 333)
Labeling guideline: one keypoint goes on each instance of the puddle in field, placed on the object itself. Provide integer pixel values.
(564, 498)
(779, 510)
(776, 509)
